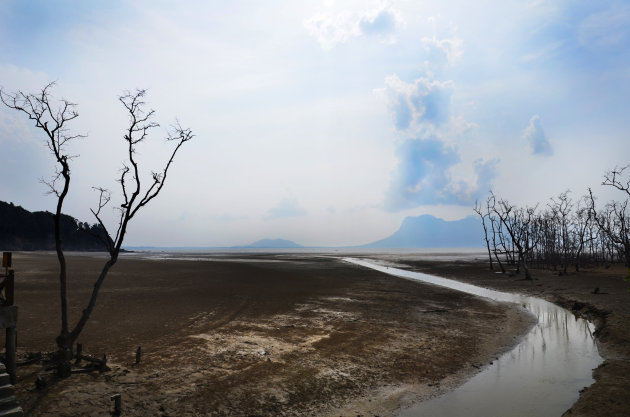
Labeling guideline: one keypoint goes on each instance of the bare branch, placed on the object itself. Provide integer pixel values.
(613, 178)
(103, 199)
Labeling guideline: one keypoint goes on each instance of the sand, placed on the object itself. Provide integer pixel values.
(273, 334)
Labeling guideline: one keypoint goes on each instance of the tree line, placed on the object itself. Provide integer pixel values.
(564, 234)
(21, 229)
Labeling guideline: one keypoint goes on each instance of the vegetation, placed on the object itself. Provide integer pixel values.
(22, 230)
(565, 234)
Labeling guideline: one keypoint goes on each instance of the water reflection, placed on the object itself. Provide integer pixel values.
(541, 376)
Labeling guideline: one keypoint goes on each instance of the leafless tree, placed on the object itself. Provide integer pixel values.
(614, 221)
(582, 232)
(484, 214)
(53, 118)
(561, 209)
(567, 233)
(519, 223)
(495, 228)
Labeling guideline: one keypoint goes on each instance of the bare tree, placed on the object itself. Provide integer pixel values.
(561, 211)
(582, 231)
(478, 209)
(614, 221)
(53, 119)
(519, 223)
(569, 232)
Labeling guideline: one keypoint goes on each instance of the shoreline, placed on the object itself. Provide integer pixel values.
(345, 352)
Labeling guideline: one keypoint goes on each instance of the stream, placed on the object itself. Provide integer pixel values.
(541, 376)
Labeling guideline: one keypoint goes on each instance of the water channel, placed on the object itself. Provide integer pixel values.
(541, 376)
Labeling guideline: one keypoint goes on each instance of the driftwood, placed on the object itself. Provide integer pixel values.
(96, 363)
(31, 357)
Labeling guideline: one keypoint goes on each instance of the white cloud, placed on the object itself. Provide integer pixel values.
(606, 28)
(535, 135)
(451, 49)
(432, 170)
(287, 207)
(332, 29)
(424, 101)
(425, 176)
(382, 23)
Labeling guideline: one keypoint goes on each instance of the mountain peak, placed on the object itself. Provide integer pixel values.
(273, 244)
(427, 231)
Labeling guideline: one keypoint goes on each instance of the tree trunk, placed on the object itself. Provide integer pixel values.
(64, 348)
(85, 315)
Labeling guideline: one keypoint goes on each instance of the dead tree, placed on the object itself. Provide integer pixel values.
(495, 227)
(582, 230)
(518, 222)
(561, 211)
(53, 119)
(483, 216)
(614, 221)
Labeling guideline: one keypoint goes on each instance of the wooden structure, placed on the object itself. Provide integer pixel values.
(8, 314)
(9, 406)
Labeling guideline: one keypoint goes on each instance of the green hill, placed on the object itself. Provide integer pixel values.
(21, 229)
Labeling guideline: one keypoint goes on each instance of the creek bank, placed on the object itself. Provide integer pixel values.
(608, 308)
(541, 376)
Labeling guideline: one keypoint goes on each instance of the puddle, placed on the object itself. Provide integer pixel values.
(541, 376)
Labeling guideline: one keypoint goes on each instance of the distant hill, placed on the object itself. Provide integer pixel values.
(427, 231)
(272, 244)
(21, 229)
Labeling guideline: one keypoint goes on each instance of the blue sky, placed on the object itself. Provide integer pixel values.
(323, 122)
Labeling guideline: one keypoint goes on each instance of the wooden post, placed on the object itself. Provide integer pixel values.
(9, 317)
(103, 365)
(138, 354)
(117, 404)
(9, 287)
(10, 346)
(6, 260)
(79, 353)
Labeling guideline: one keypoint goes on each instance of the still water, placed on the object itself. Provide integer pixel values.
(541, 376)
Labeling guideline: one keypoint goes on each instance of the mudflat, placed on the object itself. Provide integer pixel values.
(255, 334)
(599, 294)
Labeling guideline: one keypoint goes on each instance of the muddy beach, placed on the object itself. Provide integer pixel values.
(276, 335)
(599, 294)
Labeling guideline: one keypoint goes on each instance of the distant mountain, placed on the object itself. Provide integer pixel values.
(272, 244)
(21, 229)
(427, 231)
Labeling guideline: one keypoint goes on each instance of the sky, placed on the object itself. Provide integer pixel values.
(322, 122)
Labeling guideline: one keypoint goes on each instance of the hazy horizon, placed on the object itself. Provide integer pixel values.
(322, 122)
